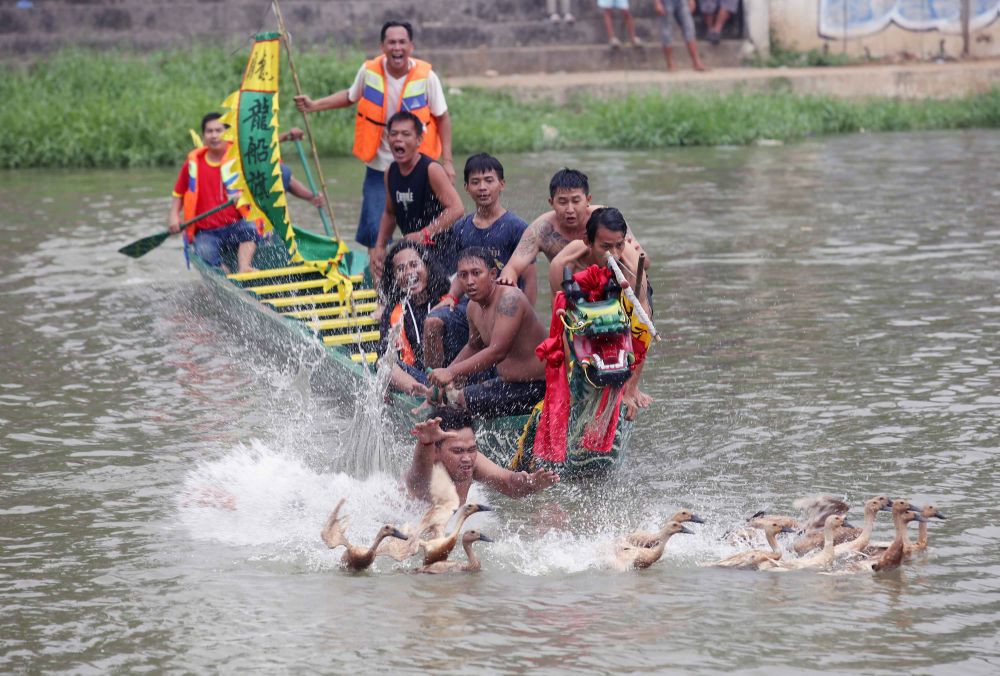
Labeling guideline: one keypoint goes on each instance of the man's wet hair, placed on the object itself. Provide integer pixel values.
(482, 163)
(569, 179)
(406, 115)
(605, 217)
(392, 24)
(208, 118)
(478, 252)
(453, 418)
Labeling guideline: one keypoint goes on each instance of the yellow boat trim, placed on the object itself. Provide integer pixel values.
(369, 357)
(351, 338)
(334, 324)
(268, 289)
(274, 272)
(319, 299)
(337, 311)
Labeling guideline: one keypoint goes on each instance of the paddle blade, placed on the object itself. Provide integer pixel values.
(143, 246)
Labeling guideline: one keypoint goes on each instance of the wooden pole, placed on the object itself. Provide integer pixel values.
(305, 117)
(640, 270)
(966, 20)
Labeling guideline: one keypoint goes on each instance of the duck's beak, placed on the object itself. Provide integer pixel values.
(917, 516)
(396, 533)
(484, 508)
(848, 524)
(696, 519)
(914, 508)
(486, 538)
(939, 515)
(685, 529)
(885, 508)
(786, 529)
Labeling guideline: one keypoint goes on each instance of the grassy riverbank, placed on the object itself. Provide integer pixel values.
(101, 109)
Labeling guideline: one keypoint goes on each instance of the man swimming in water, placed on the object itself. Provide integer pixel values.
(449, 439)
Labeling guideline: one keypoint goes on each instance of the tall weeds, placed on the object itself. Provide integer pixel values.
(121, 109)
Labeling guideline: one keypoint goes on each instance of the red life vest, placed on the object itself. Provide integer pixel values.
(372, 113)
(406, 354)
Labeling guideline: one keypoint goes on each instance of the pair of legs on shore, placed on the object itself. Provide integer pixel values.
(680, 11)
(609, 6)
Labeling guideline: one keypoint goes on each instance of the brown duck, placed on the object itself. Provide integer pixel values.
(355, 557)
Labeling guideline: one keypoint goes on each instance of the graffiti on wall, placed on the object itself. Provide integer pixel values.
(856, 18)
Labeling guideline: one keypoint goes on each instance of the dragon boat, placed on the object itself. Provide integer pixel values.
(316, 291)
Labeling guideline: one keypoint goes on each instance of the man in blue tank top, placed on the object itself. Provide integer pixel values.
(490, 227)
(419, 197)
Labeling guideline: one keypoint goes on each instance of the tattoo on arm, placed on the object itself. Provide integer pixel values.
(552, 241)
(508, 305)
(528, 246)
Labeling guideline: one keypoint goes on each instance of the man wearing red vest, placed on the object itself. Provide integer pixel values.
(385, 85)
(204, 183)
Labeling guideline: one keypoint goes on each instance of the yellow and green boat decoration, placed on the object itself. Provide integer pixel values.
(312, 290)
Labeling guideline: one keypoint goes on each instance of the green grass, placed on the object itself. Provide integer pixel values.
(121, 109)
(781, 55)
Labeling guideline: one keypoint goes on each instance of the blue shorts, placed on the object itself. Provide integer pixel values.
(210, 244)
(456, 328)
(612, 4)
(372, 206)
(712, 6)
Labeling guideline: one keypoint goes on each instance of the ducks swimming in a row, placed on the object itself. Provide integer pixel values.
(855, 542)
(641, 549)
(428, 536)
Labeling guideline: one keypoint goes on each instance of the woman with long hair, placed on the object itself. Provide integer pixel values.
(412, 284)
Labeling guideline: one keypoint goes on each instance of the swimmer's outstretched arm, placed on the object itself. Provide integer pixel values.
(511, 484)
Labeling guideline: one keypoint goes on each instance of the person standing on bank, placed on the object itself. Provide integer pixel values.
(384, 85)
(419, 196)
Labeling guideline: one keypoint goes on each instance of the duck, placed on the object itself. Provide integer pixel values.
(628, 556)
(821, 559)
(444, 503)
(470, 566)
(898, 507)
(873, 506)
(438, 549)
(644, 538)
(814, 511)
(928, 512)
(752, 560)
(893, 556)
(355, 558)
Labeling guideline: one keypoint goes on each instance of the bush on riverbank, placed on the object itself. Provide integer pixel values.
(118, 109)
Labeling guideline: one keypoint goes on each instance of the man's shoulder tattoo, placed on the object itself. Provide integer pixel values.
(508, 304)
(552, 242)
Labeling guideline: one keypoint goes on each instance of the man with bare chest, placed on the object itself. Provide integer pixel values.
(569, 196)
(503, 375)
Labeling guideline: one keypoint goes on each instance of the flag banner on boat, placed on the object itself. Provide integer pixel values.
(251, 117)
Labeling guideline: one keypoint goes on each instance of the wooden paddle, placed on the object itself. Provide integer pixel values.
(141, 247)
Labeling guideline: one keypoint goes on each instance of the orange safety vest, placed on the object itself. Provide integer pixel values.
(406, 354)
(190, 199)
(371, 117)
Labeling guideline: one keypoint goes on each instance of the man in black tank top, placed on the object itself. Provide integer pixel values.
(420, 198)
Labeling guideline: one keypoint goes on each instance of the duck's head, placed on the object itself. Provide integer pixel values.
(899, 506)
(879, 503)
(909, 516)
(686, 515)
(390, 531)
(673, 528)
(835, 521)
(773, 527)
(472, 508)
(931, 512)
(471, 536)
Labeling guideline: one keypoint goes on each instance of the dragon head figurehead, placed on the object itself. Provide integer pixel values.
(599, 332)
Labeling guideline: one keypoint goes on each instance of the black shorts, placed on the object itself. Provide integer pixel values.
(493, 398)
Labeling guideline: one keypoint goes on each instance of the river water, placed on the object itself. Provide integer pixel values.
(831, 311)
